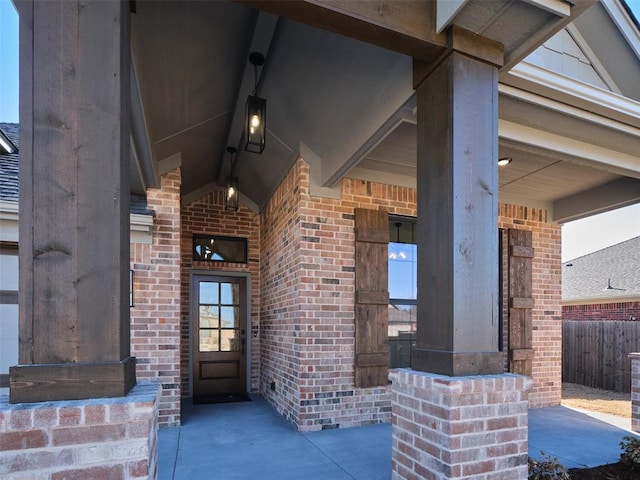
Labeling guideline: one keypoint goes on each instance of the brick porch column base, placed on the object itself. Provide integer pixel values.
(459, 427)
(635, 391)
(105, 438)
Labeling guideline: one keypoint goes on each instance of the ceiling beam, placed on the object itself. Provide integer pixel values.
(403, 26)
(140, 143)
(260, 42)
(385, 129)
(170, 163)
(610, 196)
(571, 150)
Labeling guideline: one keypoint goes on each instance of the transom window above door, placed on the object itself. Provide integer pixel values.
(216, 248)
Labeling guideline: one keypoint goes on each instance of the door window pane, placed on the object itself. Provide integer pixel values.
(229, 293)
(209, 317)
(229, 341)
(209, 340)
(209, 293)
(228, 317)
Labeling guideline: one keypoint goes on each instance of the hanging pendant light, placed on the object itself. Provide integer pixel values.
(231, 192)
(256, 112)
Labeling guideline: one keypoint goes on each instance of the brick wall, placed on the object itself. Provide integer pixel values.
(620, 311)
(207, 216)
(155, 318)
(459, 427)
(327, 299)
(547, 320)
(308, 301)
(308, 313)
(113, 438)
(280, 329)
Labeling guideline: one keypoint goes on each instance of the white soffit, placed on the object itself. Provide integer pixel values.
(572, 92)
(563, 108)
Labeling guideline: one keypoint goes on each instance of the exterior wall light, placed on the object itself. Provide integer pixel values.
(256, 112)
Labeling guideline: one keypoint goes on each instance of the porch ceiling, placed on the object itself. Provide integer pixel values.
(348, 102)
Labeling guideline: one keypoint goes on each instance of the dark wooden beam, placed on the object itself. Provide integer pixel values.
(72, 381)
(464, 42)
(403, 26)
(74, 202)
(457, 323)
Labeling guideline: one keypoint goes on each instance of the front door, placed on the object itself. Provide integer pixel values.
(218, 326)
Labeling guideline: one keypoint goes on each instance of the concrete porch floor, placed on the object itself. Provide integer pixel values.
(249, 440)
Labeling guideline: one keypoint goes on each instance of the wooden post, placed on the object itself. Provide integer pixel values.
(74, 202)
(457, 100)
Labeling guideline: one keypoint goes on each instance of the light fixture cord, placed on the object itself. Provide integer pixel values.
(255, 79)
(234, 156)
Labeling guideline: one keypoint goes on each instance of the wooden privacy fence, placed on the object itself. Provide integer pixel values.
(596, 354)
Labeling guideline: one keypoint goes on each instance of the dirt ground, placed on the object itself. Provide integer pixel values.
(603, 401)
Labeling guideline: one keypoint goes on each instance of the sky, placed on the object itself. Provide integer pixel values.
(8, 62)
(578, 238)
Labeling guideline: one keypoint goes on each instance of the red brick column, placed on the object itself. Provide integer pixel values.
(635, 391)
(459, 427)
(155, 318)
(104, 438)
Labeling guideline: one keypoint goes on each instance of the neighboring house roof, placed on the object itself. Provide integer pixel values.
(9, 167)
(610, 274)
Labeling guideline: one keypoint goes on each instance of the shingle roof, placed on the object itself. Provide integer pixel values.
(9, 166)
(610, 273)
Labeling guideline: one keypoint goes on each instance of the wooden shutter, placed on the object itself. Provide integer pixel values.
(520, 301)
(372, 298)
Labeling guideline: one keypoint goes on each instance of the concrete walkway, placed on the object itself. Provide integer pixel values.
(577, 438)
(250, 440)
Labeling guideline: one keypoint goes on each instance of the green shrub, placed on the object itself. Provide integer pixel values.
(630, 451)
(549, 468)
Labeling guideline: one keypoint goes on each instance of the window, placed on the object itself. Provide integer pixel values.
(403, 268)
(213, 248)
